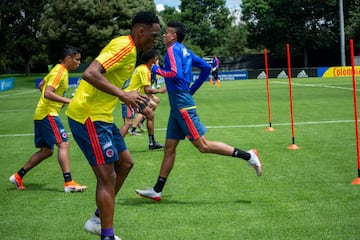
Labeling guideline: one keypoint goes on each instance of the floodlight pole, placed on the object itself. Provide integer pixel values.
(342, 34)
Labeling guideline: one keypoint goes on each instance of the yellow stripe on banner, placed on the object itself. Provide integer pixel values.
(341, 72)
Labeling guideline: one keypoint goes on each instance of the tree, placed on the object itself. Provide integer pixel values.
(305, 24)
(88, 24)
(352, 28)
(19, 46)
(208, 23)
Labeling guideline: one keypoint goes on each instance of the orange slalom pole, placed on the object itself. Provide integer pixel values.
(293, 146)
(357, 180)
(270, 128)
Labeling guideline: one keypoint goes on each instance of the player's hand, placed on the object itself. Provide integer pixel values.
(214, 69)
(134, 99)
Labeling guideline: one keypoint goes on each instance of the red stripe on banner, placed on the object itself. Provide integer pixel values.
(95, 144)
(189, 123)
(55, 129)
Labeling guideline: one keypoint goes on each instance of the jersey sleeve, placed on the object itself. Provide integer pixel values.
(205, 70)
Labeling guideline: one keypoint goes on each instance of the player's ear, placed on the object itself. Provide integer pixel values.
(140, 30)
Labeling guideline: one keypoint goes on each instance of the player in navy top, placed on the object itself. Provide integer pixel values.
(215, 68)
(183, 120)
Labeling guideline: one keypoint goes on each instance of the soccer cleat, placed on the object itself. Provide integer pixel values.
(73, 186)
(155, 145)
(254, 161)
(115, 237)
(134, 133)
(141, 127)
(93, 225)
(17, 181)
(149, 193)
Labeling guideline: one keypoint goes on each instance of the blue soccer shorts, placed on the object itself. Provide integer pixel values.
(127, 112)
(184, 123)
(49, 131)
(100, 142)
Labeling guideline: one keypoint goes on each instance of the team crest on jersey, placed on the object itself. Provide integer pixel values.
(109, 152)
(185, 52)
(63, 133)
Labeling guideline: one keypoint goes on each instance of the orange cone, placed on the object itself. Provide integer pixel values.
(356, 181)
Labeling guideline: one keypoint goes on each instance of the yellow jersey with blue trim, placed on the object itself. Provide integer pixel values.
(140, 78)
(58, 78)
(118, 59)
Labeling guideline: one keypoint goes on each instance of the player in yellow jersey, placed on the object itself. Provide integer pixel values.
(49, 129)
(90, 116)
(140, 81)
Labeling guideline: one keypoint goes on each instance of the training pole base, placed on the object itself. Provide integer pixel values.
(356, 181)
(293, 147)
(270, 129)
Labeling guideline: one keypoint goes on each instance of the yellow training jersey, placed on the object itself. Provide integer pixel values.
(118, 59)
(140, 78)
(57, 78)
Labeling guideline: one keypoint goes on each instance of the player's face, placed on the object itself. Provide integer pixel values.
(72, 62)
(149, 36)
(169, 36)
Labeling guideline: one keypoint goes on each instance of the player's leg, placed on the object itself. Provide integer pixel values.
(251, 156)
(105, 196)
(128, 115)
(167, 164)
(195, 131)
(147, 111)
(137, 120)
(125, 163)
(43, 139)
(97, 142)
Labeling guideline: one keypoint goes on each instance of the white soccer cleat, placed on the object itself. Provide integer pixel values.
(254, 161)
(93, 225)
(149, 193)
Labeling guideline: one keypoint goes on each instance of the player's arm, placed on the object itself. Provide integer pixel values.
(41, 85)
(205, 70)
(51, 95)
(94, 76)
(149, 90)
(175, 66)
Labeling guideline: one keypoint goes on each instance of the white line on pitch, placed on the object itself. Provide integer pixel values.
(316, 85)
(214, 127)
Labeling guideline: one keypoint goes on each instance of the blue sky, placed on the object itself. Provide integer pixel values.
(231, 4)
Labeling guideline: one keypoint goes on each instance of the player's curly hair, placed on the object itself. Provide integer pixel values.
(145, 17)
(179, 29)
(146, 56)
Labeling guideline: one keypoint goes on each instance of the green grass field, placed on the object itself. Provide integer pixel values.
(303, 194)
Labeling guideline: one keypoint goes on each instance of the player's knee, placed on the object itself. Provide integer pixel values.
(203, 147)
(47, 152)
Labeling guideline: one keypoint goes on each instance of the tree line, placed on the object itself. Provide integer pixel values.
(32, 31)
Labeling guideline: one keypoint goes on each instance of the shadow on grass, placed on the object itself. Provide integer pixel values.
(33, 187)
(139, 201)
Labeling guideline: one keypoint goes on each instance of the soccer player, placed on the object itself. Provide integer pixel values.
(215, 69)
(140, 81)
(49, 130)
(183, 120)
(91, 120)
